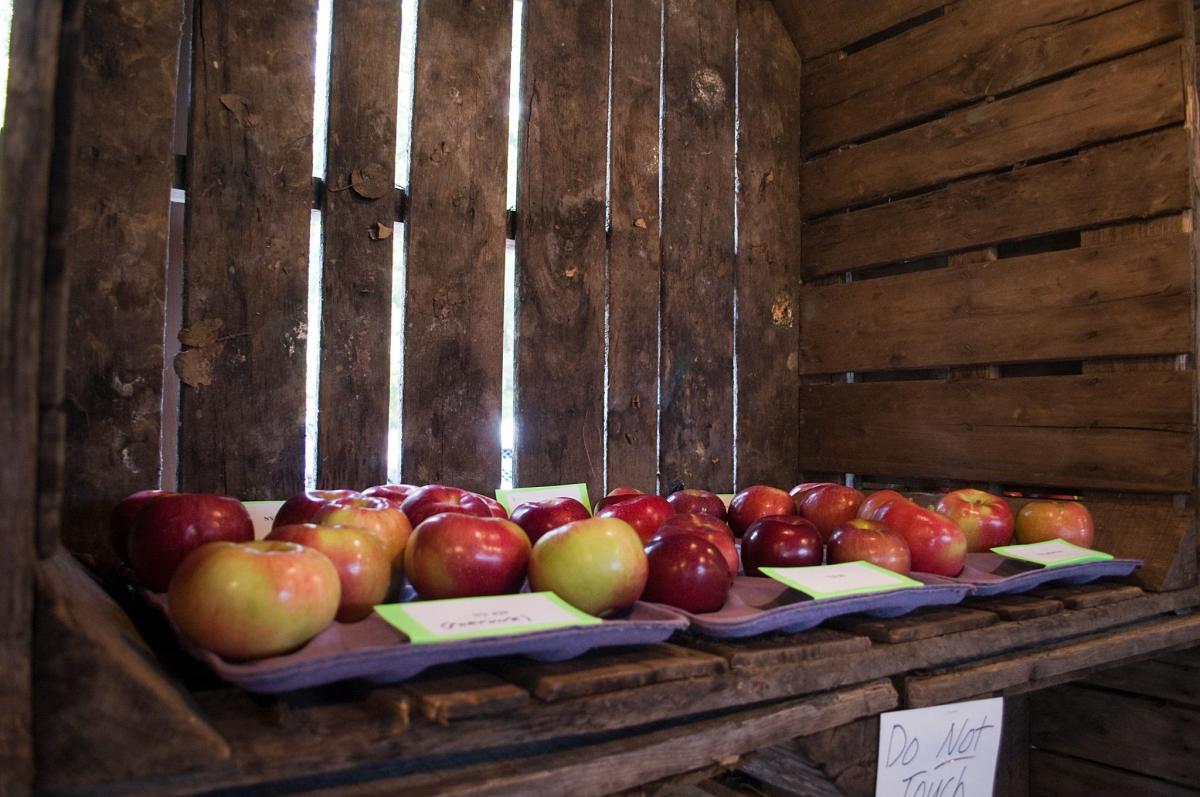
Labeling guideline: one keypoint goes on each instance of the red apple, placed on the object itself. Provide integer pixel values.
(876, 501)
(303, 507)
(172, 526)
(494, 507)
(935, 542)
(396, 493)
(861, 540)
(363, 567)
(376, 516)
(697, 502)
(1039, 521)
(781, 541)
(707, 527)
(539, 517)
(800, 490)
(830, 506)
(644, 512)
(452, 555)
(757, 501)
(254, 599)
(434, 499)
(615, 496)
(688, 573)
(120, 523)
(986, 519)
(596, 565)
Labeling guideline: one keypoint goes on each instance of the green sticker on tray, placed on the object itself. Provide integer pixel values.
(1052, 553)
(840, 580)
(473, 618)
(512, 497)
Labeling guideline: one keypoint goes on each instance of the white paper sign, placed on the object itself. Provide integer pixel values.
(942, 751)
(835, 581)
(263, 515)
(493, 615)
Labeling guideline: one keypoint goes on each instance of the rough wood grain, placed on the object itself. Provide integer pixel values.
(1124, 299)
(359, 215)
(561, 292)
(1012, 765)
(847, 754)
(767, 273)
(104, 710)
(1033, 670)
(248, 216)
(781, 771)
(827, 25)
(634, 253)
(978, 48)
(921, 624)
(458, 692)
(1115, 99)
(1156, 738)
(781, 648)
(1053, 775)
(25, 165)
(1160, 678)
(1090, 188)
(456, 233)
(1015, 607)
(1126, 431)
(696, 417)
(1086, 596)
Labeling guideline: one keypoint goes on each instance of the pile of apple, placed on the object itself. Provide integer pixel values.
(335, 554)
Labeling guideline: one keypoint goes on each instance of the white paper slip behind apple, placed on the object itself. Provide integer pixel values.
(493, 615)
(836, 581)
(1052, 553)
(263, 514)
(943, 750)
(512, 497)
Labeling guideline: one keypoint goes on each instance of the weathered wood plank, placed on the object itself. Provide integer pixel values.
(1111, 431)
(1086, 596)
(921, 624)
(827, 25)
(783, 772)
(359, 215)
(1053, 775)
(767, 273)
(781, 648)
(1115, 99)
(977, 49)
(246, 283)
(104, 710)
(25, 168)
(634, 255)
(1161, 678)
(847, 754)
(1070, 304)
(1015, 607)
(1035, 669)
(1156, 738)
(696, 416)
(456, 232)
(1090, 188)
(561, 288)
(459, 692)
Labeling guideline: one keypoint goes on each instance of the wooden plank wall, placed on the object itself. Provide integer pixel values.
(997, 246)
(626, 334)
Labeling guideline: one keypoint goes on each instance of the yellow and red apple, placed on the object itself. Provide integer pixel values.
(452, 555)
(363, 567)
(986, 519)
(1039, 521)
(597, 565)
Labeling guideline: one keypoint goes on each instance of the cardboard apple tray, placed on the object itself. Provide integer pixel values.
(992, 574)
(762, 605)
(377, 652)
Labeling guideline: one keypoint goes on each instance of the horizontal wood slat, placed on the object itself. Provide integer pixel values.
(1091, 188)
(1054, 775)
(827, 25)
(1115, 99)
(1126, 299)
(454, 307)
(979, 48)
(1131, 431)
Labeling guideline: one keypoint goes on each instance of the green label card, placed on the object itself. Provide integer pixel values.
(513, 497)
(1052, 553)
(837, 581)
(262, 513)
(493, 615)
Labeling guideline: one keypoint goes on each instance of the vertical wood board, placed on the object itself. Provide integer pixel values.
(246, 272)
(696, 417)
(827, 25)
(561, 289)
(359, 217)
(456, 234)
(115, 258)
(767, 276)
(634, 252)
